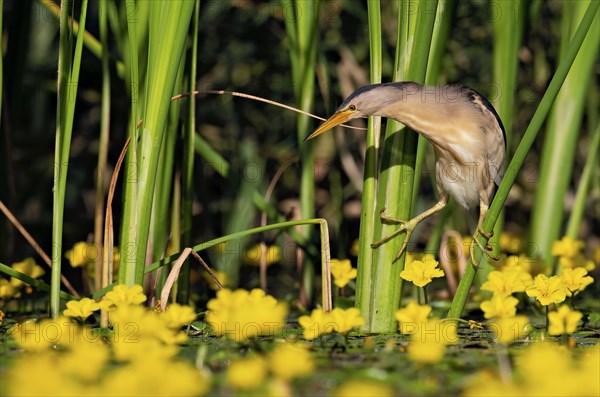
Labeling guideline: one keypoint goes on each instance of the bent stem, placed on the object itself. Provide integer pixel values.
(325, 252)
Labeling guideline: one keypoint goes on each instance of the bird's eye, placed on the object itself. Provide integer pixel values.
(352, 108)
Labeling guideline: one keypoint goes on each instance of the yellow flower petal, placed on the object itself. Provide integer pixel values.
(342, 272)
(563, 321)
(421, 273)
(547, 290)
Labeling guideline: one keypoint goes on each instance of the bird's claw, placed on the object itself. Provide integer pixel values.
(385, 218)
(485, 234)
(406, 227)
(488, 248)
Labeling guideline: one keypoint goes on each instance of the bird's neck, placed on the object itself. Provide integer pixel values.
(417, 107)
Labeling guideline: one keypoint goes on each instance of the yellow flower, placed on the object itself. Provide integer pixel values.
(29, 268)
(82, 308)
(290, 360)
(247, 373)
(569, 252)
(133, 323)
(363, 388)
(82, 254)
(510, 243)
(242, 314)
(155, 378)
(85, 360)
(37, 336)
(499, 306)
(421, 273)
(546, 363)
(524, 264)
(343, 321)
(506, 282)
(40, 374)
(509, 329)
(176, 315)
(563, 321)
(221, 276)
(428, 343)
(7, 290)
(488, 384)
(544, 369)
(122, 295)
(578, 261)
(419, 256)
(567, 247)
(412, 315)
(253, 254)
(337, 320)
(318, 323)
(131, 348)
(547, 290)
(575, 280)
(342, 272)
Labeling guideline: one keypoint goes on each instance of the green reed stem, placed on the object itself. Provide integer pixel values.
(397, 171)
(168, 26)
(9, 271)
(369, 194)
(68, 79)
(183, 282)
(129, 225)
(103, 142)
(302, 35)
(89, 41)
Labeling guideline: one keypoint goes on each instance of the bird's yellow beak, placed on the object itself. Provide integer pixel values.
(337, 119)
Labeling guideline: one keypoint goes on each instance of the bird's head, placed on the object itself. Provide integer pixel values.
(347, 111)
(370, 100)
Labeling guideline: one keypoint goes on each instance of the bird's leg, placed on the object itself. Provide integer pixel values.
(483, 208)
(407, 226)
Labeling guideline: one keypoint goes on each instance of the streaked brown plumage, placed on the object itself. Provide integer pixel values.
(466, 133)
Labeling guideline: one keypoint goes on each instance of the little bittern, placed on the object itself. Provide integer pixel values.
(466, 133)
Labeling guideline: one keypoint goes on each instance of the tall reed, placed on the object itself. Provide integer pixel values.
(167, 25)
(397, 170)
(369, 193)
(69, 63)
(301, 29)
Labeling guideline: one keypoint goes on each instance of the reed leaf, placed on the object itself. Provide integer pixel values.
(69, 63)
(167, 30)
(302, 36)
(397, 170)
(369, 193)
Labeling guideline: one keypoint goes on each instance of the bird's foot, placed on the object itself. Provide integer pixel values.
(484, 233)
(389, 219)
(407, 226)
(486, 250)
